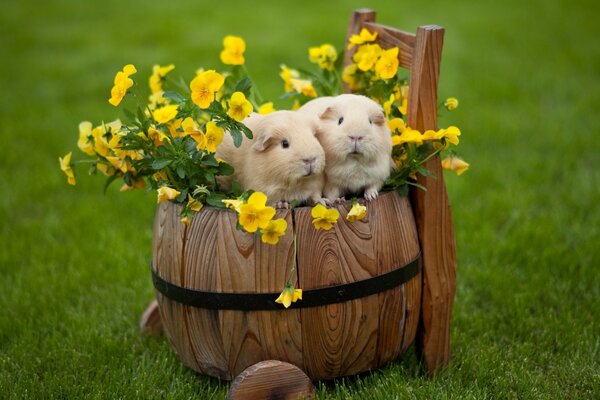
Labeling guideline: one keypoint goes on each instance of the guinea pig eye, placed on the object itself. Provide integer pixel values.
(340, 120)
(285, 144)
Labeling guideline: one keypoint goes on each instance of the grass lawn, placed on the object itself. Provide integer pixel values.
(74, 275)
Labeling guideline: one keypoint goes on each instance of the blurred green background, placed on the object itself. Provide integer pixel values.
(74, 276)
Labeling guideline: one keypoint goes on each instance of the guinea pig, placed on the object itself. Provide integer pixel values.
(357, 141)
(284, 159)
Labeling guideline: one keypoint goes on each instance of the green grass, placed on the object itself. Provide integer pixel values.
(74, 273)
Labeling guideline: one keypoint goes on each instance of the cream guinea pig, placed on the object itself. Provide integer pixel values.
(284, 160)
(357, 141)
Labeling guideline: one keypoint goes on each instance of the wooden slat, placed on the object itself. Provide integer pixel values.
(338, 339)
(396, 244)
(168, 244)
(201, 273)
(280, 332)
(389, 37)
(431, 207)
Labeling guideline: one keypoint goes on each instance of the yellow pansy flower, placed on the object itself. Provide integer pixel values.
(166, 193)
(65, 166)
(451, 103)
(273, 231)
(357, 212)
(287, 74)
(451, 134)
(121, 84)
(324, 218)
(100, 142)
(158, 75)
(138, 183)
(186, 220)
(433, 135)
(363, 37)
(117, 163)
(387, 65)
(266, 108)
(213, 136)
(233, 52)
(324, 55)
(155, 99)
(194, 204)
(289, 295)
(452, 163)
(396, 125)
(106, 169)
(86, 139)
(160, 176)
(348, 76)
(156, 136)
(304, 86)
(255, 214)
(233, 204)
(409, 135)
(366, 56)
(165, 114)
(204, 86)
(239, 106)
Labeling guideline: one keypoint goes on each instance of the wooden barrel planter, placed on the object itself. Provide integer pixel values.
(216, 288)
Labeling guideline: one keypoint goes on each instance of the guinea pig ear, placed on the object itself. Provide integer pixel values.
(328, 114)
(378, 118)
(262, 142)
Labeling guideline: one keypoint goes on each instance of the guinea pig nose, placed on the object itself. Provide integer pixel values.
(309, 161)
(356, 138)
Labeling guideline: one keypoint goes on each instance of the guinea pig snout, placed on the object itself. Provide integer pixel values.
(355, 143)
(310, 164)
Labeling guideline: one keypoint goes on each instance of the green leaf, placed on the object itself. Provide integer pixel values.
(160, 163)
(236, 188)
(182, 196)
(180, 171)
(237, 137)
(141, 116)
(243, 85)
(174, 96)
(225, 169)
(216, 200)
(107, 183)
(246, 131)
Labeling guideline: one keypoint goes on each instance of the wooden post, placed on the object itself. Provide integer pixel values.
(431, 207)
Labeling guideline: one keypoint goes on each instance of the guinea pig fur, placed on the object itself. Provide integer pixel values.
(357, 141)
(284, 160)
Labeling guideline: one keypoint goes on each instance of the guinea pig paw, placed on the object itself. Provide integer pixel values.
(340, 200)
(371, 194)
(283, 204)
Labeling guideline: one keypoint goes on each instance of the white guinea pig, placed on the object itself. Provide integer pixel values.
(357, 141)
(284, 160)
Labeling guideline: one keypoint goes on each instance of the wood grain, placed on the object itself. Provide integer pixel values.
(421, 54)
(327, 341)
(388, 37)
(271, 379)
(168, 244)
(396, 243)
(431, 207)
